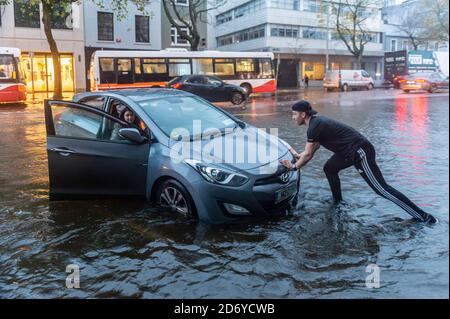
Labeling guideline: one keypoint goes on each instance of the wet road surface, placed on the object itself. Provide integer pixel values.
(129, 248)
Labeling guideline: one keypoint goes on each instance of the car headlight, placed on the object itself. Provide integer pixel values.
(217, 175)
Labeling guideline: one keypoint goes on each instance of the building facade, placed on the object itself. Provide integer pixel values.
(21, 27)
(105, 30)
(295, 31)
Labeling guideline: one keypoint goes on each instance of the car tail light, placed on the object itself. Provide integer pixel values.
(420, 81)
(176, 85)
(402, 81)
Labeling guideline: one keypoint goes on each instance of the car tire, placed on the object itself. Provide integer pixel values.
(237, 98)
(345, 88)
(172, 195)
(432, 89)
(406, 91)
(247, 89)
(370, 87)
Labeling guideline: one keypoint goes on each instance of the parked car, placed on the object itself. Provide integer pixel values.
(84, 160)
(210, 88)
(430, 82)
(346, 80)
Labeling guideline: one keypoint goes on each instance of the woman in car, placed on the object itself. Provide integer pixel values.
(128, 116)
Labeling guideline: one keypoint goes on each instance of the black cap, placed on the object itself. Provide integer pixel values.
(303, 106)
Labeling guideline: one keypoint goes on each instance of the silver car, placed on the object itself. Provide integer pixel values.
(94, 152)
(424, 81)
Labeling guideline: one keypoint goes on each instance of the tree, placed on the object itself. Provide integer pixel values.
(436, 20)
(411, 23)
(350, 18)
(54, 9)
(189, 17)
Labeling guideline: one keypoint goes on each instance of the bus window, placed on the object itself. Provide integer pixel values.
(178, 67)
(265, 69)
(245, 68)
(224, 68)
(154, 70)
(7, 69)
(202, 66)
(107, 74)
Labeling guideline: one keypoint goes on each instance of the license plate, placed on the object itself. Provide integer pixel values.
(284, 193)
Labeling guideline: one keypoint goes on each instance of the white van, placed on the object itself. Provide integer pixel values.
(345, 80)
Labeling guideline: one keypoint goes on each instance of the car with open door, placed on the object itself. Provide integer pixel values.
(210, 88)
(164, 157)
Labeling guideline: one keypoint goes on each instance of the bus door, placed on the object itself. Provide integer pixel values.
(124, 71)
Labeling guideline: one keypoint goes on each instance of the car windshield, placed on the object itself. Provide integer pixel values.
(176, 116)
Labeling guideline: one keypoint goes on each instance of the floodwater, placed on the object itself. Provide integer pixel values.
(127, 248)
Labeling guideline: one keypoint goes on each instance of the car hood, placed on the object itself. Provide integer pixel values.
(243, 149)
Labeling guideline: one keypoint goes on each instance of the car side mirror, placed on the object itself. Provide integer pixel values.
(133, 135)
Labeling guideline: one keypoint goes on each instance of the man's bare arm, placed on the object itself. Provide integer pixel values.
(304, 157)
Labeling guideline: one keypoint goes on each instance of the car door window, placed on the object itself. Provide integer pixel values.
(365, 74)
(214, 82)
(95, 101)
(196, 80)
(79, 123)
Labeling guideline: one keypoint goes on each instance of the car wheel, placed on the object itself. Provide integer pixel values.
(345, 87)
(406, 91)
(237, 98)
(247, 88)
(370, 86)
(432, 89)
(172, 195)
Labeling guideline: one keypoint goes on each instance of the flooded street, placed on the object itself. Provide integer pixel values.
(128, 248)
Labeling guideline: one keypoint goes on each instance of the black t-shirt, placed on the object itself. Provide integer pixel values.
(335, 136)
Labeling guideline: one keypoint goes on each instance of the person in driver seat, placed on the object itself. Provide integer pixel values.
(127, 116)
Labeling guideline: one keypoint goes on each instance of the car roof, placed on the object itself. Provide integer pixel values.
(135, 94)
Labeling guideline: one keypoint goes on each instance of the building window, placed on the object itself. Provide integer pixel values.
(284, 31)
(176, 37)
(224, 17)
(26, 15)
(285, 4)
(240, 11)
(393, 45)
(61, 16)
(311, 6)
(142, 29)
(242, 36)
(105, 26)
(314, 33)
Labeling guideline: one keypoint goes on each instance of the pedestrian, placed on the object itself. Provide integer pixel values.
(306, 81)
(350, 148)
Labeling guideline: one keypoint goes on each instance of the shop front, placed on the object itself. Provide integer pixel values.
(40, 74)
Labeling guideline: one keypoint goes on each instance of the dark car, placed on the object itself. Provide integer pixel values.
(430, 82)
(210, 88)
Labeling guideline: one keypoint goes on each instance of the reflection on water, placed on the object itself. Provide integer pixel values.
(132, 249)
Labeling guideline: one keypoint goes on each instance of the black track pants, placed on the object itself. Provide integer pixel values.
(366, 165)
